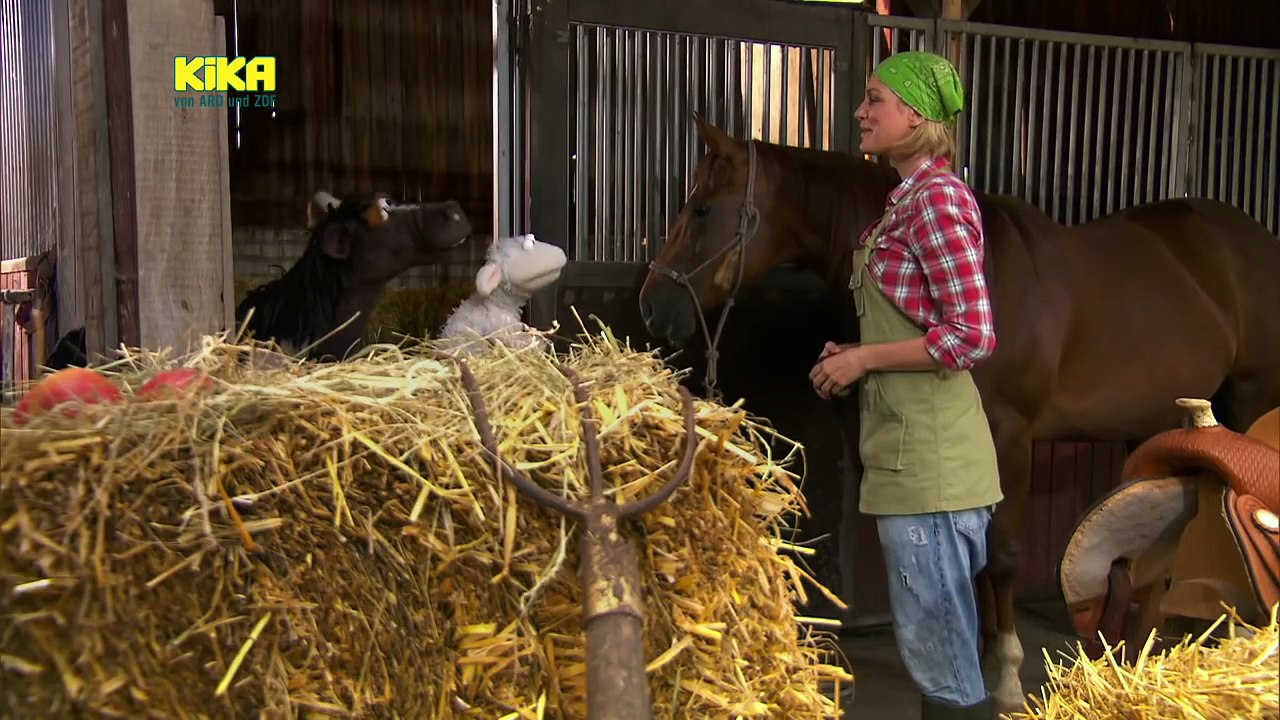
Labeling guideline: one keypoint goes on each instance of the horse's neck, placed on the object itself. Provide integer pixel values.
(361, 299)
(835, 205)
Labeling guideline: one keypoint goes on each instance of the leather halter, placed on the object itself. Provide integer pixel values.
(748, 222)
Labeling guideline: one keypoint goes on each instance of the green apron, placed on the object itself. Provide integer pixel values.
(924, 440)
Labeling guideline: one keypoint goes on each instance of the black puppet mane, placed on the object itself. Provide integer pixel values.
(300, 307)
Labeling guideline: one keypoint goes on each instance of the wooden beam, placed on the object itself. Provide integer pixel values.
(94, 237)
(223, 210)
(181, 191)
(124, 211)
(68, 273)
(944, 9)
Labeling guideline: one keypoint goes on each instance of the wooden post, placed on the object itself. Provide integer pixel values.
(169, 184)
(123, 210)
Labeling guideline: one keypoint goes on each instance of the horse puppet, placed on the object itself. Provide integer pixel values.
(1099, 326)
(321, 306)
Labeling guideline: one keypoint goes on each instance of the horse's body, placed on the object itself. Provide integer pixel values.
(1099, 327)
(321, 306)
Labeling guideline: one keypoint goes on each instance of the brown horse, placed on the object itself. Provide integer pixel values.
(1099, 327)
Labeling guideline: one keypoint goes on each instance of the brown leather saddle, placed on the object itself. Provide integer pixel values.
(1192, 527)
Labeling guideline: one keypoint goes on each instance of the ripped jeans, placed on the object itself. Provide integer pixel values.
(932, 560)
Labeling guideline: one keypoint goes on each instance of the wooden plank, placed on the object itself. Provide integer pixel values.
(391, 135)
(90, 150)
(179, 191)
(224, 187)
(1037, 508)
(69, 280)
(20, 265)
(123, 207)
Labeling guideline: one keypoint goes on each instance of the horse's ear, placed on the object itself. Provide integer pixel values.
(717, 140)
(322, 203)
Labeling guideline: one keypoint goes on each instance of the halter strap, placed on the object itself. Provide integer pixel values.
(748, 223)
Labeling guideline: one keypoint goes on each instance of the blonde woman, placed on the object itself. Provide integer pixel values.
(925, 318)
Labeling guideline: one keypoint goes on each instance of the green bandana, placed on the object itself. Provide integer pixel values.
(926, 82)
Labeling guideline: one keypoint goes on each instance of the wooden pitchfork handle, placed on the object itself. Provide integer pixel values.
(613, 615)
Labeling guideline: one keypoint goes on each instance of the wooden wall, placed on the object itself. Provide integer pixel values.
(372, 95)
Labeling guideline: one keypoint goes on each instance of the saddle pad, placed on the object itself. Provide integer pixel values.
(1140, 521)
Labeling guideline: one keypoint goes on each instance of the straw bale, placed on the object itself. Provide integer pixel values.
(307, 540)
(1235, 677)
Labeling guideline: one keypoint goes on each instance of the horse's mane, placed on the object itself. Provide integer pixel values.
(818, 182)
(300, 306)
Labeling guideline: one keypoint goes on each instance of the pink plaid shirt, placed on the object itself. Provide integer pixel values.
(928, 261)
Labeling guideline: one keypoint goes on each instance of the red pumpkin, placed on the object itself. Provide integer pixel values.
(74, 385)
(176, 382)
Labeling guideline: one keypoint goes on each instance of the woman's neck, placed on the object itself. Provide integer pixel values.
(907, 166)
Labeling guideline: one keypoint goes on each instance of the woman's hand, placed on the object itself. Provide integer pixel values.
(832, 348)
(838, 369)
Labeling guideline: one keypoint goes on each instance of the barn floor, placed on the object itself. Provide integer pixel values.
(885, 690)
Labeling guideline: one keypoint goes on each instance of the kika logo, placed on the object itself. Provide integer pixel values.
(221, 74)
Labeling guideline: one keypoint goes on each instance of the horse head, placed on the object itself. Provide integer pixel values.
(755, 206)
(720, 241)
(357, 245)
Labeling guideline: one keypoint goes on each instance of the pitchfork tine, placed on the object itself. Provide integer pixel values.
(639, 507)
(589, 436)
(517, 478)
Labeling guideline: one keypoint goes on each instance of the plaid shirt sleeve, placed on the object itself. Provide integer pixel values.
(946, 237)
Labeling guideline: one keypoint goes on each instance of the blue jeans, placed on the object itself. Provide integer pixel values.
(932, 560)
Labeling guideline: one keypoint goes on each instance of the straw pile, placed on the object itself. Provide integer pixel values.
(1205, 678)
(329, 540)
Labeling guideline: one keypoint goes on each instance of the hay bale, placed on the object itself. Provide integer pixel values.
(1201, 678)
(308, 540)
(417, 312)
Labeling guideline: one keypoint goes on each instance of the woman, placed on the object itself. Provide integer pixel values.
(925, 318)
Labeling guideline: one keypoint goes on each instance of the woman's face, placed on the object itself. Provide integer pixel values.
(884, 121)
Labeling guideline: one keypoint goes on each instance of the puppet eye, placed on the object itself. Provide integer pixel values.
(528, 242)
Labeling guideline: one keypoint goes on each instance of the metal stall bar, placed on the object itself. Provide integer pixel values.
(1236, 138)
(633, 85)
(1059, 118)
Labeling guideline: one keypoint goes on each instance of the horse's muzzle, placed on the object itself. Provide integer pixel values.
(667, 312)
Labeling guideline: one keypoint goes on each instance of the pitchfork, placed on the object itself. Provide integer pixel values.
(617, 688)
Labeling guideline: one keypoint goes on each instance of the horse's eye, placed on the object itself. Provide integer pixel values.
(701, 211)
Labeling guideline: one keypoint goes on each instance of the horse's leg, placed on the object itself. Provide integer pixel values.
(987, 606)
(1013, 444)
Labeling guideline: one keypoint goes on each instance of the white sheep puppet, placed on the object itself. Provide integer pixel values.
(515, 268)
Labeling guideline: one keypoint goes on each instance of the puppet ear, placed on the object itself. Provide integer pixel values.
(488, 278)
(322, 203)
